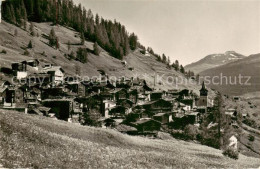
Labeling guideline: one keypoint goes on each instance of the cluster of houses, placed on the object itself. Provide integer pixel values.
(127, 104)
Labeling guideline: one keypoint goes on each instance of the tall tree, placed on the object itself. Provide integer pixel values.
(182, 70)
(30, 45)
(164, 58)
(97, 19)
(32, 32)
(82, 38)
(133, 41)
(53, 39)
(176, 65)
(96, 49)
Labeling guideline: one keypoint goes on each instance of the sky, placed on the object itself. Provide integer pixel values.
(187, 30)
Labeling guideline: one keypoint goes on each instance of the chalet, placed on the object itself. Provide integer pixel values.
(231, 116)
(147, 125)
(158, 106)
(143, 98)
(188, 101)
(77, 107)
(118, 111)
(236, 98)
(52, 93)
(61, 107)
(133, 95)
(20, 69)
(107, 106)
(111, 84)
(121, 94)
(125, 103)
(124, 62)
(47, 66)
(231, 112)
(76, 87)
(184, 92)
(56, 72)
(3, 90)
(202, 109)
(156, 95)
(193, 117)
(110, 123)
(137, 82)
(8, 96)
(233, 142)
(173, 93)
(163, 118)
(4, 84)
(33, 63)
(146, 87)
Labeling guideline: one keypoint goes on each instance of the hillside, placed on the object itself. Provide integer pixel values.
(249, 66)
(143, 66)
(39, 142)
(213, 60)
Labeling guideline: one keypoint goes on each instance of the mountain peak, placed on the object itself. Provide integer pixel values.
(214, 60)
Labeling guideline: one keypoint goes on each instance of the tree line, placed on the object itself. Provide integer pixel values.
(109, 35)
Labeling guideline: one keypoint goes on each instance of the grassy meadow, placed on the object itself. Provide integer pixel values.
(40, 142)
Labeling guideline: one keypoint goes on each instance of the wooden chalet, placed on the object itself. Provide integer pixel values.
(147, 125)
(164, 118)
(158, 106)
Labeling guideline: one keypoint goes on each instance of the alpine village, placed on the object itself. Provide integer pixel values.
(38, 85)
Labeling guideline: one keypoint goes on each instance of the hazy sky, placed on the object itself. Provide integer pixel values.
(187, 30)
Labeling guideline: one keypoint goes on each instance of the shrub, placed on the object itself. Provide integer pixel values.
(43, 54)
(251, 138)
(190, 132)
(4, 51)
(230, 152)
(71, 55)
(26, 52)
(143, 52)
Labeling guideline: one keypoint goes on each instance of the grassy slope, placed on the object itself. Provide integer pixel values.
(42, 142)
(141, 64)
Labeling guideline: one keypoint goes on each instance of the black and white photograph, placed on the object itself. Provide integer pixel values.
(130, 84)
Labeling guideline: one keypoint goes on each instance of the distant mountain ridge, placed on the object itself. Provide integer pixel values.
(214, 60)
(247, 67)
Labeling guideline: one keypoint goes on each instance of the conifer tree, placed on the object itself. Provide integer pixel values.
(82, 38)
(176, 65)
(96, 49)
(133, 41)
(182, 70)
(164, 58)
(12, 14)
(30, 45)
(52, 38)
(82, 55)
(32, 32)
